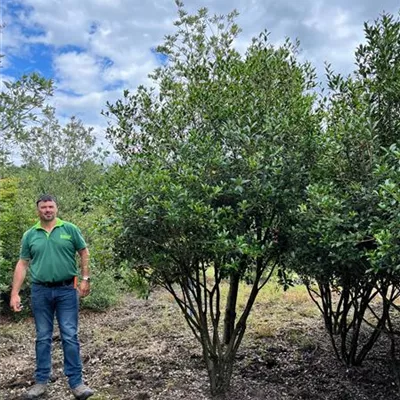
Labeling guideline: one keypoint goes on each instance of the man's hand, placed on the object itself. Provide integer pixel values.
(84, 288)
(15, 303)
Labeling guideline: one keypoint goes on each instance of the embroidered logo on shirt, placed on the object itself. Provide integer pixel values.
(62, 236)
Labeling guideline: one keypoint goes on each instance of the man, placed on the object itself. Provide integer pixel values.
(49, 250)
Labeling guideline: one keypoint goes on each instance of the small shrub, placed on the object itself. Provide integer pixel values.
(105, 292)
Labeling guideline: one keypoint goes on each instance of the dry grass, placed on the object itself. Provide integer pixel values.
(275, 313)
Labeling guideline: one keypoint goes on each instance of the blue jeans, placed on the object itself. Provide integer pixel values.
(62, 301)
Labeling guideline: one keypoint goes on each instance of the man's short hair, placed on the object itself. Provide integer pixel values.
(46, 197)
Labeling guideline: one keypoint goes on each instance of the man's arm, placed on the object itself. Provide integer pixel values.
(18, 280)
(84, 287)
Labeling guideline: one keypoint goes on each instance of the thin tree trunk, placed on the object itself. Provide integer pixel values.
(230, 311)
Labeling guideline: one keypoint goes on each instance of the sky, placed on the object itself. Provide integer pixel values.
(94, 49)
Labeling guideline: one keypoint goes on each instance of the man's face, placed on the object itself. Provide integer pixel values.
(47, 210)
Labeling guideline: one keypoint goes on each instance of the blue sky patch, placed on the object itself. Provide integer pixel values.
(37, 58)
(160, 57)
(14, 9)
(71, 49)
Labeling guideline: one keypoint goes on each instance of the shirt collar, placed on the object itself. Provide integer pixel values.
(59, 222)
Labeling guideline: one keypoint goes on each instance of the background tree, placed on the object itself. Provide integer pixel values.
(378, 69)
(62, 159)
(214, 159)
(53, 147)
(378, 62)
(20, 103)
(342, 228)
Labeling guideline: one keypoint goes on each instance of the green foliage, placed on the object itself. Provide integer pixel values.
(230, 170)
(57, 159)
(134, 282)
(61, 160)
(14, 220)
(19, 104)
(384, 256)
(100, 234)
(215, 156)
(55, 147)
(378, 69)
(344, 233)
(104, 293)
(5, 274)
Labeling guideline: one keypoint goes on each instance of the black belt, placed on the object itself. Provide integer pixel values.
(56, 284)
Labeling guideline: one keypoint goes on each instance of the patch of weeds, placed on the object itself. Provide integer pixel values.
(309, 311)
(15, 331)
(300, 339)
(296, 295)
(170, 320)
(136, 333)
(100, 396)
(103, 335)
(261, 329)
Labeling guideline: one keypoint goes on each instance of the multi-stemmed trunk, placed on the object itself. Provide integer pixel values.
(200, 303)
(345, 312)
(219, 371)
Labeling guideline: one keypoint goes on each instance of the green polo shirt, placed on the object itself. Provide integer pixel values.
(52, 255)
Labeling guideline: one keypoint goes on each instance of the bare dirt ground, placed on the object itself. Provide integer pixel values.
(143, 350)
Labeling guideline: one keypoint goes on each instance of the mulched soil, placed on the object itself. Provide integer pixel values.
(142, 350)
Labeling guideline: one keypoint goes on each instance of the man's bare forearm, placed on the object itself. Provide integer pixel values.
(84, 262)
(19, 276)
(84, 287)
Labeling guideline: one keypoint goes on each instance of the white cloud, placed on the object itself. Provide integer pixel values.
(87, 107)
(80, 73)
